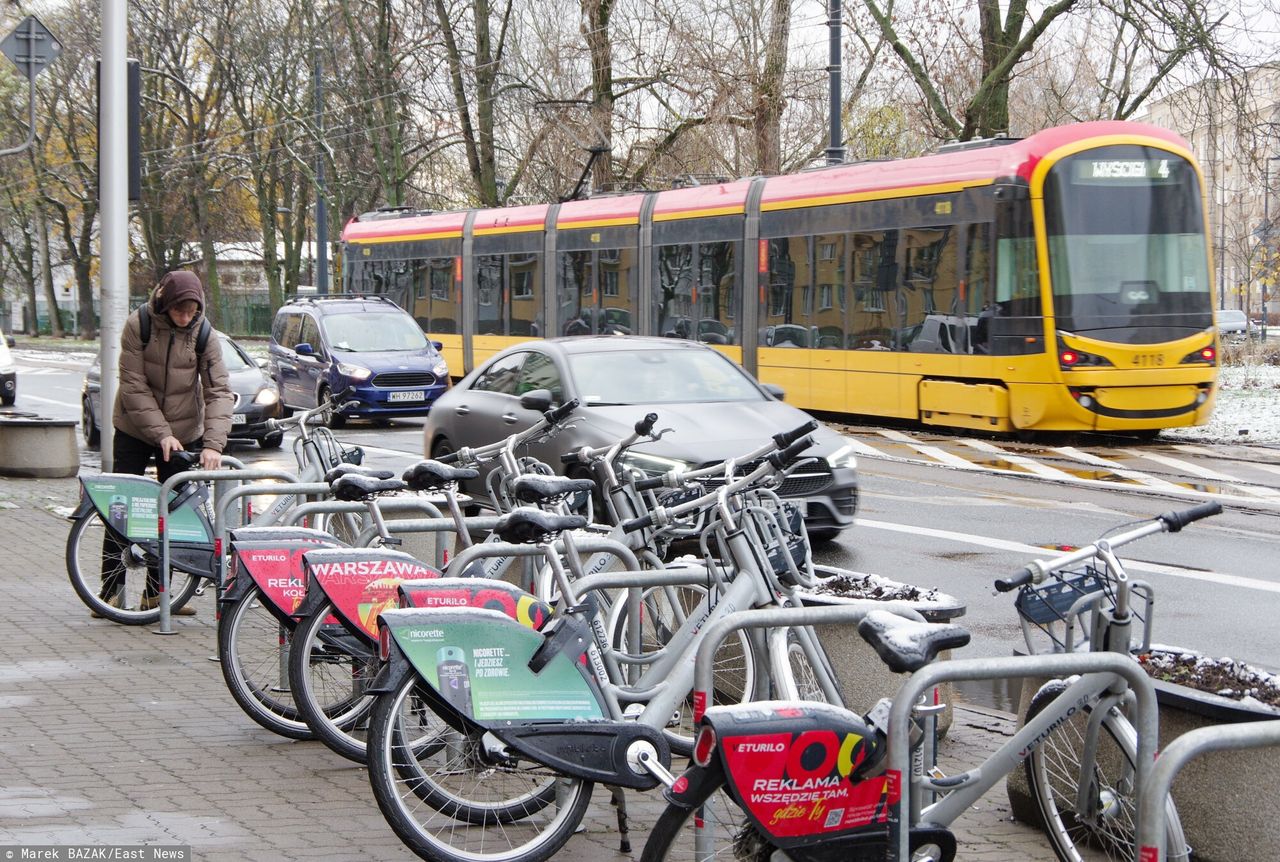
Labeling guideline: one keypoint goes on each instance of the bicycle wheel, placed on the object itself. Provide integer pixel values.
(803, 671)
(329, 670)
(253, 648)
(726, 834)
(737, 677)
(116, 595)
(1054, 772)
(449, 802)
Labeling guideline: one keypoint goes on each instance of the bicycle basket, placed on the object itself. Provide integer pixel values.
(1047, 607)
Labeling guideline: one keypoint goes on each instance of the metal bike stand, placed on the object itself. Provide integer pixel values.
(898, 767)
(439, 525)
(1193, 743)
(704, 669)
(238, 473)
(287, 486)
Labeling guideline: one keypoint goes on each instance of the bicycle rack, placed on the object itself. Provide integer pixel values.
(1193, 743)
(1060, 665)
(238, 473)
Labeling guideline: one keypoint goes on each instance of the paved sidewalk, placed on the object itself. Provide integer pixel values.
(112, 735)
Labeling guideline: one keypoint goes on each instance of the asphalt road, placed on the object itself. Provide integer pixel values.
(1217, 583)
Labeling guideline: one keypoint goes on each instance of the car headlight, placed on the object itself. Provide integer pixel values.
(355, 372)
(843, 457)
(266, 396)
(441, 369)
(651, 465)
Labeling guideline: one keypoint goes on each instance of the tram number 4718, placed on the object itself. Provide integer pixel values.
(1148, 359)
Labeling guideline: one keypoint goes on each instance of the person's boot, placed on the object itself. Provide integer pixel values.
(150, 603)
(114, 601)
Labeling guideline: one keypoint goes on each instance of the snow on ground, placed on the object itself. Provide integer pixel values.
(1247, 409)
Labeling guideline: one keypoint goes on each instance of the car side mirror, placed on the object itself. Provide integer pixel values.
(538, 400)
(304, 349)
(775, 390)
(438, 345)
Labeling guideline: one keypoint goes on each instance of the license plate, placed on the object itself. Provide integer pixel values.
(406, 396)
(238, 419)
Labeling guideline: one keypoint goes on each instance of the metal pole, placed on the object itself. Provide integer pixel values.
(835, 150)
(322, 221)
(113, 184)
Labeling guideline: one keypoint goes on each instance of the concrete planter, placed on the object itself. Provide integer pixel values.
(1226, 801)
(862, 675)
(34, 447)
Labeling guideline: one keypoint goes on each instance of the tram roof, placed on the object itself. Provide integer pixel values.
(418, 226)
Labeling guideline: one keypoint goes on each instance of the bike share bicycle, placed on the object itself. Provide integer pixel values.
(122, 509)
(819, 783)
(553, 706)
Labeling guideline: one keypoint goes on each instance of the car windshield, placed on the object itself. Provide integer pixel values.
(232, 358)
(658, 377)
(374, 330)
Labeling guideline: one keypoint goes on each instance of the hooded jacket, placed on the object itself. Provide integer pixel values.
(162, 393)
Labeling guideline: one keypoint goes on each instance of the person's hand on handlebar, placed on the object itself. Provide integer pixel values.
(169, 445)
(210, 459)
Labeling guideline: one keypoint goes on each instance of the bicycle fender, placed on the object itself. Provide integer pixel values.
(477, 660)
(275, 569)
(128, 505)
(522, 606)
(360, 583)
(803, 772)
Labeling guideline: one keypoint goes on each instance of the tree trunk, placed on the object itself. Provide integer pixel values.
(46, 272)
(595, 25)
(767, 111)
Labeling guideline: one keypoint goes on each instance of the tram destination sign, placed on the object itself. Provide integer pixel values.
(1107, 171)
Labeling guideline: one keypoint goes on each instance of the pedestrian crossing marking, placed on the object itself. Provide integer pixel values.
(933, 452)
(1183, 466)
(1095, 461)
(1025, 463)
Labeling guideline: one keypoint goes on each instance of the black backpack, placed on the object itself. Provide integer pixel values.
(144, 329)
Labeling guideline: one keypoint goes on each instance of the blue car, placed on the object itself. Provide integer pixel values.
(355, 347)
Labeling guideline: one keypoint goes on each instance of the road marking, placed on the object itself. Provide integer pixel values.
(1040, 553)
(1094, 460)
(863, 449)
(1025, 463)
(1184, 466)
(930, 451)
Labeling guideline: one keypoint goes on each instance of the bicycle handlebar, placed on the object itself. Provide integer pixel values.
(1037, 570)
(556, 415)
(638, 524)
(645, 426)
(786, 438)
(780, 458)
(1175, 521)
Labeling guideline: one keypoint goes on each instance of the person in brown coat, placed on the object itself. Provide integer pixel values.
(170, 398)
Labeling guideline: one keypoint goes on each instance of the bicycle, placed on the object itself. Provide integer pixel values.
(833, 783)
(117, 515)
(480, 719)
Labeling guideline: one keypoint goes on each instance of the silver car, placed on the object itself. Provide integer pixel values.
(714, 408)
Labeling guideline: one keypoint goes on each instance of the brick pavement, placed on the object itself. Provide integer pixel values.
(111, 734)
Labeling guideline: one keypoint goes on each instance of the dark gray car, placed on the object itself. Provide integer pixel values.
(714, 408)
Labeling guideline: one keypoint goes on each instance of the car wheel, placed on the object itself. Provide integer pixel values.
(442, 447)
(88, 427)
(271, 441)
(823, 535)
(7, 400)
(335, 419)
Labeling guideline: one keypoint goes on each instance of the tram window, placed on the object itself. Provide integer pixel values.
(785, 322)
(934, 315)
(872, 321)
(434, 306)
(507, 294)
(596, 291)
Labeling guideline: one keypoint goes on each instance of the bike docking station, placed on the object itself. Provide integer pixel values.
(435, 522)
(1192, 744)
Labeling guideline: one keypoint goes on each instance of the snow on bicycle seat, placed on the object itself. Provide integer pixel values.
(906, 645)
(354, 470)
(530, 526)
(432, 475)
(354, 487)
(541, 489)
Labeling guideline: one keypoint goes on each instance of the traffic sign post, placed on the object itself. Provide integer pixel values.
(31, 47)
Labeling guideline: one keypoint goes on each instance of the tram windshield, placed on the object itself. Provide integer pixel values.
(1127, 252)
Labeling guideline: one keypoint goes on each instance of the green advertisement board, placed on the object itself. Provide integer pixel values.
(479, 661)
(130, 504)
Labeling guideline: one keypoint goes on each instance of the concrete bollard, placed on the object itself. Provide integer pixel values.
(35, 447)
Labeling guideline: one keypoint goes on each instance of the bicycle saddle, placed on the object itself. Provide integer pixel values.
(906, 645)
(355, 486)
(530, 526)
(432, 475)
(542, 489)
(351, 469)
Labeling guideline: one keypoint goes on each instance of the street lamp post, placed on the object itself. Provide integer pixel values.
(1267, 240)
